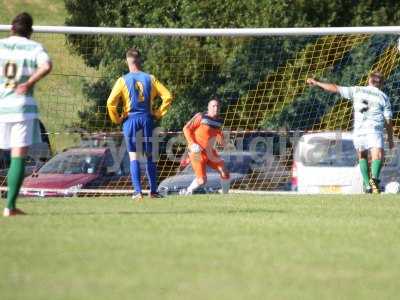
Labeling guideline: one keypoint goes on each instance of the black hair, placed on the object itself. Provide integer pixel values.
(22, 24)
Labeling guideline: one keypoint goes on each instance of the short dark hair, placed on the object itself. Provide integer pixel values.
(376, 78)
(215, 98)
(134, 53)
(22, 24)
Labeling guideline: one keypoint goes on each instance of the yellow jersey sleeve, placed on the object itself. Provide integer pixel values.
(159, 90)
(118, 96)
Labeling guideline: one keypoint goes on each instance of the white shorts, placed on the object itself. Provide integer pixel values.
(367, 141)
(19, 134)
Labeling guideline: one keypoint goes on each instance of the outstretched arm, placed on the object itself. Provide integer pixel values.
(329, 87)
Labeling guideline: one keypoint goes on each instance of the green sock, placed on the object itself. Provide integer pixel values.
(376, 167)
(364, 171)
(15, 177)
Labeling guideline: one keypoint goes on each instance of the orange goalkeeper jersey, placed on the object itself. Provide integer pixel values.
(202, 130)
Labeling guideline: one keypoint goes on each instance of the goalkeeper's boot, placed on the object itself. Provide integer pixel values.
(185, 192)
(156, 195)
(375, 185)
(137, 197)
(13, 212)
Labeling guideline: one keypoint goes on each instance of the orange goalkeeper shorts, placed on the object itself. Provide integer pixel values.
(201, 160)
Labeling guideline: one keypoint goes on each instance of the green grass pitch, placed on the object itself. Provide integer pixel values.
(203, 247)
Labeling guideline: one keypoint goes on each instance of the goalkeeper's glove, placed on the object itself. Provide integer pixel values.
(195, 148)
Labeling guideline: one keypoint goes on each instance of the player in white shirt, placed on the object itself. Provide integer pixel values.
(23, 62)
(372, 113)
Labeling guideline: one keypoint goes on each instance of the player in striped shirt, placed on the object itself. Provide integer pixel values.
(23, 63)
(372, 113)
(135, 92)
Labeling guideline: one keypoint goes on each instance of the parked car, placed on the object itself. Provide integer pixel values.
(272, 153)
(327, 162)
(238, 164)
(259, 143)
(37, 156)
(168, 150)
(67, 172)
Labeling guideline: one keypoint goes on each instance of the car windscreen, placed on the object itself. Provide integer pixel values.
(328, 152)
(72, 163)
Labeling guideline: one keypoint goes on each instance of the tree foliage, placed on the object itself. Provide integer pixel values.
(194, 69)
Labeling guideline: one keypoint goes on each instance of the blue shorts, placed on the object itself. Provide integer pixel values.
(138, 133)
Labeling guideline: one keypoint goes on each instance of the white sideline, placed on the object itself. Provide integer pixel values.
(76, 191)
(71, 192)
(295, 31)
(109, 191)
(232, 191)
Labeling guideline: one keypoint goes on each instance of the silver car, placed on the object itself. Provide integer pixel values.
(238, 164)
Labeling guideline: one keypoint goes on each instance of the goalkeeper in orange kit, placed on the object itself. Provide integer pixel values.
(201, 132)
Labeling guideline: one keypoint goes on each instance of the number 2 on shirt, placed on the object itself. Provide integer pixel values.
(365, 106)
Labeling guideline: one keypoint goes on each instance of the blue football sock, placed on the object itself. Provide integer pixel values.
(151, 170)
(135, 175)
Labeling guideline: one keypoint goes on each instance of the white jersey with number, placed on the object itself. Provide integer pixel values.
(371, 108)
(19, 59)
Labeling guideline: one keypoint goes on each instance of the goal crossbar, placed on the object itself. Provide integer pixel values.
(214, 31)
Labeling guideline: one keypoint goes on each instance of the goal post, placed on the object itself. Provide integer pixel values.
(259, 73)
(229, 32)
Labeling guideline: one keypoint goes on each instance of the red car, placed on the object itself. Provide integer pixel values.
(67, 172)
